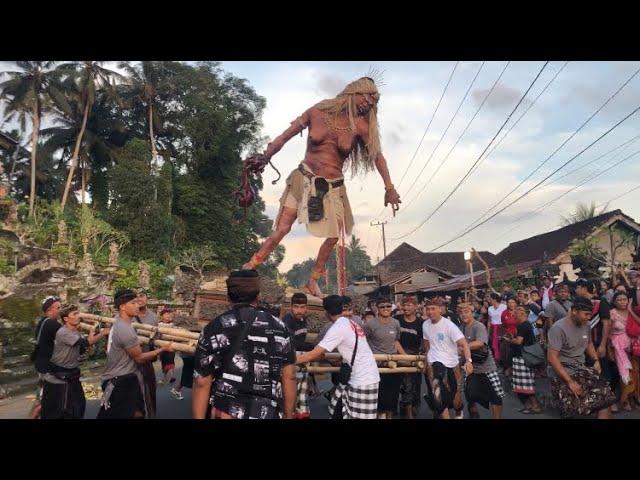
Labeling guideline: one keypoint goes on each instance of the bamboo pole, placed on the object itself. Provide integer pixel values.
(169, 338)
(383, 370)
(177, 346)
(178, 332)
(383, 357)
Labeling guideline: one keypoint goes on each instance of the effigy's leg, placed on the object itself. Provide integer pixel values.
(318, 269)
(287, 218)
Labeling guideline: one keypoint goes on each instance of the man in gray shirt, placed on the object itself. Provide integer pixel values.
(63, 396)
(483, 386)
(122, 381)
(559, 307)
(383, 336)
(577, 389)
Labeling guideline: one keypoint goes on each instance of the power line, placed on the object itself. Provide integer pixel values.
(557, 149)
(422, 189)
(447, 128)
(540, 182)
(429, 124)
(479, 158)
(519, 220)
(619, 196)
(567, 192)
(526, 110)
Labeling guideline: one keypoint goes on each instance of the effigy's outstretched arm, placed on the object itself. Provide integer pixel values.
(297, 126)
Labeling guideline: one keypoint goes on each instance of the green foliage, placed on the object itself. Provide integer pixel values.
(358, 265)
(7, 265)
(583, 212)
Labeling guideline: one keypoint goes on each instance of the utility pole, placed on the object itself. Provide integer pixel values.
(384, 240)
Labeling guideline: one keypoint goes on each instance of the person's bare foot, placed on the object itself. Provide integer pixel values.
(247, 266)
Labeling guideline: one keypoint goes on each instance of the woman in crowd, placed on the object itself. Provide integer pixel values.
(509, 330)
(495, 321)
(620, 342)
(523, 379)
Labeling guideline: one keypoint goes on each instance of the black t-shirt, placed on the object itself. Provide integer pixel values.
(298, 330)
(524, 330)
(604, 312)
(45, 343)
(534, 307)
(248, 385)
(410, 334)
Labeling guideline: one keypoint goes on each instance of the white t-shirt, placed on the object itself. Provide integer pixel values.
(342, 335)
(545, 296)
(442, 337)
(495, 314)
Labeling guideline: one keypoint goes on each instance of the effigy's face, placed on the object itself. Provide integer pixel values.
(365, 102)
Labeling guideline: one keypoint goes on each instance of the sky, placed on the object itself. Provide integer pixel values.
(409, 96)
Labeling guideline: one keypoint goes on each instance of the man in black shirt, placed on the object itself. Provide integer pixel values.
(297, 324)
(45, 335)
(244, 360)
(411, 341)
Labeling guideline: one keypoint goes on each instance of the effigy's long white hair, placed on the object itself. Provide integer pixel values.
(362, 158)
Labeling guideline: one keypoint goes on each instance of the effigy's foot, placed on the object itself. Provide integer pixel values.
(312, 288)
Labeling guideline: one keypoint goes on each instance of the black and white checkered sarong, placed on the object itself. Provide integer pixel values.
(496, 384)
(302, 403)
(357, 402)
(523, 379)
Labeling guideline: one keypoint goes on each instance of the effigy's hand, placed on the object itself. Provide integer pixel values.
(256, 163)
(392, 197)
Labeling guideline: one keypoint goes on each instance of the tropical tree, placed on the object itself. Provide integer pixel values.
(91, 76)
(583, 212)
(140, 92)
(26, 92)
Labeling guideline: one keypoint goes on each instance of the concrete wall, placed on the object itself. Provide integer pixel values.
(603, 241)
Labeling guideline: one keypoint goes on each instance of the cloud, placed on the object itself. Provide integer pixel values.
(502, 97)
(330, 85)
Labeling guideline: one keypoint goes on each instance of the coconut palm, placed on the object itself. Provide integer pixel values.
(583, 212)
(90, 76)
(141, 91)
(26, 92)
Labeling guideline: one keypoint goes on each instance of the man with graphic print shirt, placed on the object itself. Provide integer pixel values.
(247, 356)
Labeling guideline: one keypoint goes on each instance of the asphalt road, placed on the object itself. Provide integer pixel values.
(170, 408)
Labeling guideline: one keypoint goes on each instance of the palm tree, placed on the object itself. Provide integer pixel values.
(91, 76)
(141, 91)
(26, 92)
(583, 212)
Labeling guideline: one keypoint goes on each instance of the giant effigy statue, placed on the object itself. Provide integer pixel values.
(342, 132)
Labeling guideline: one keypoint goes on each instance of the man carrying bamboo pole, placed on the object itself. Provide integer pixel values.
(411, 341)
(122, 382)
(244, 360)
(356, 395)
(297, 324)
(442, 371)
(63, 397)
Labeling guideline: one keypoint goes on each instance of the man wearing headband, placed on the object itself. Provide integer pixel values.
(296, 322)
(342, 131)
(63, 397)
(245, 359)
(45, 334)
(576, 388)
(122, 382)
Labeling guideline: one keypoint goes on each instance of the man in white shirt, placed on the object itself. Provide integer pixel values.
(546, 292)
(442, 338)
(495, 320)
(358, 398)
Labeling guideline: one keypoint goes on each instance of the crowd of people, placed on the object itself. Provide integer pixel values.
(583, 337)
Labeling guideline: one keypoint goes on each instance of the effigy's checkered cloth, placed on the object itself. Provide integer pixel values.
(597, 394)
(302, 387)
(496, 384)
(357, 402)
(523, 378)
